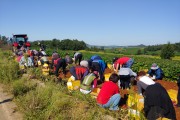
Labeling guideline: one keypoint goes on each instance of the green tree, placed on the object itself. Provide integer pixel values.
(167, 51)
(139, 52)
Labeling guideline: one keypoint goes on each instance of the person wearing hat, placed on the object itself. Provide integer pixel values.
(89, 82)
(84, 63)
(156, 72)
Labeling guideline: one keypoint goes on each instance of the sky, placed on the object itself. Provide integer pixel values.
(96, 22)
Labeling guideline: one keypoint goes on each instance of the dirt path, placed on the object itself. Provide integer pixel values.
(8, 109)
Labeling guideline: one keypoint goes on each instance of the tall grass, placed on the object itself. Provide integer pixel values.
(9, 68)
(52, 101)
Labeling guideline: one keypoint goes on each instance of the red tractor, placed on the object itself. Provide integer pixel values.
(20, 40)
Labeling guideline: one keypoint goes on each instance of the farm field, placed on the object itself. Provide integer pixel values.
(124, 93)
(142, 62)
(95, 108)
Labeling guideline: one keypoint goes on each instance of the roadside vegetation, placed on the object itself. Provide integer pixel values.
(52, 100)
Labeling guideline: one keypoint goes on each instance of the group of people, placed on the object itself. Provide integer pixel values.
(157, 102)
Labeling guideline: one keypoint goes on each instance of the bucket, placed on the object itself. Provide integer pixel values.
(134, 114)
(136, 101)
(110, 66)
(45, 69)
(173, 94)
(22, 67)
(107, 75)
(39, 63)
(73, 85)
(95, 91)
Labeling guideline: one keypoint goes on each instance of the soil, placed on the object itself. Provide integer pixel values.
(8, 109)
(124, 93)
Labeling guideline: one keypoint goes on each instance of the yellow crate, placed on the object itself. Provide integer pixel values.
(173, 94)
(95, 91)
(39, 63)
(163, 118)
(110, 66)
(72, 78)
(107, 76)
(73, 85)
(136, 101)
(134, 114)
(21, 67)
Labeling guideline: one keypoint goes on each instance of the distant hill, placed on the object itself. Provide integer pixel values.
(115, 46)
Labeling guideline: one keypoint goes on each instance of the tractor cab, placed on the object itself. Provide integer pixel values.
(20, 40)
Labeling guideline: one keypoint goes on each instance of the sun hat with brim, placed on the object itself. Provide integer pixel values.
(154, 66)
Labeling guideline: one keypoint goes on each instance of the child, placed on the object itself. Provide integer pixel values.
(109, 96)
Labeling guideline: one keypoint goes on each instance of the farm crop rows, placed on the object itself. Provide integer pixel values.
(170, 68)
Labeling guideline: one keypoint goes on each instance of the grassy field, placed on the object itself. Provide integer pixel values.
(47, 100)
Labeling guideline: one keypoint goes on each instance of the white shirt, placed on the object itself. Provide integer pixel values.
(147, 80)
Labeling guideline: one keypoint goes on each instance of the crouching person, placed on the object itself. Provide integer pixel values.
(79, 72)
(157, 103)
(109, 96)
(89, 82)
(126, 75)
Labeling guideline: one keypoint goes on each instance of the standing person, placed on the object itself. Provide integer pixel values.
(79, 72)
(100, 66)
(123, 61)
(156, 72)
(143, 82)
(89, 82)
(178, 95)
(125, 75)
(77, 57)
(109, 96)
(157, 103)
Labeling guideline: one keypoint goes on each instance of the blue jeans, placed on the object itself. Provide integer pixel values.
(113, 102)
(129, 63)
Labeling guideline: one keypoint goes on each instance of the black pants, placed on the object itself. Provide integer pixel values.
(78, 58)
(125, 81)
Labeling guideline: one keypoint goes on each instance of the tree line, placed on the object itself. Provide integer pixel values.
(66, 44)
(176, 47)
